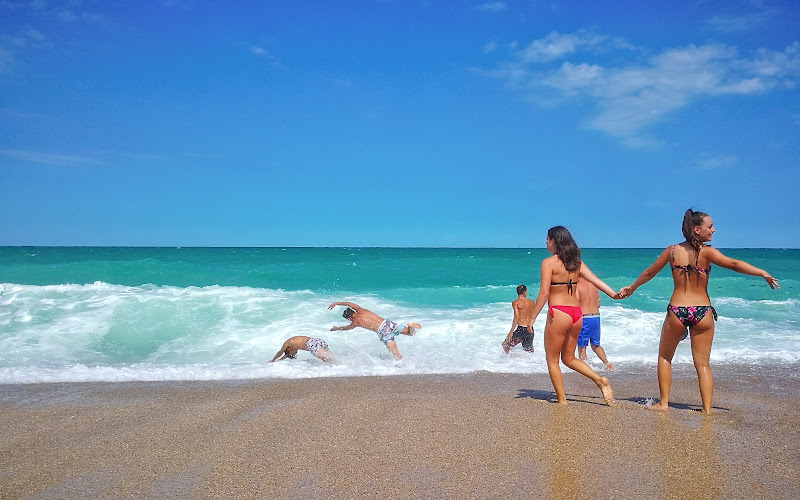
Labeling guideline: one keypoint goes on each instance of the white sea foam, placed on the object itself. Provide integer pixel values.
(102, 332)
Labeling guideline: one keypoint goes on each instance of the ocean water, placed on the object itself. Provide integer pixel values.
(122, 314)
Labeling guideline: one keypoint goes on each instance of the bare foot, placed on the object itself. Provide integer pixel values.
(609, 367)
(412, 328)
(659, 407)
(605, 388)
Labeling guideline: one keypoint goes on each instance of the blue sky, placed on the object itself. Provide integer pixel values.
(397, 123)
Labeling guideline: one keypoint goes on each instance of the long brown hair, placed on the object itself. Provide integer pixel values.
(567, 250)
(692, 219)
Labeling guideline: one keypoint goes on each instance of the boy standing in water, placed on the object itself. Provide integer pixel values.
(589, 302)
(522, 325)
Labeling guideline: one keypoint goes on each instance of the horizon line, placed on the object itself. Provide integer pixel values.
(283, 247)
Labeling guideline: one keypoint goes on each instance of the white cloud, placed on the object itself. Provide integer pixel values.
(12, 45)
(25, 38)
(264, 54)
(490, 47)
(67, 12)
(631, 96)
(741, 23)
(553, 46)
(48, 158)
(571, 77)
(66, 15)
(780, 68)
(18, 39)
(708, 161)
(556, 45)
(492, 6)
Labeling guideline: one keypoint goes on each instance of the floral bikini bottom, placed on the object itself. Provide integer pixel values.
(691, 315)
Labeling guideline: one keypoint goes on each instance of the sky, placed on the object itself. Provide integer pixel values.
(398, 122)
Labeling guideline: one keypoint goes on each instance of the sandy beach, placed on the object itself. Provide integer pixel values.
(437, 436)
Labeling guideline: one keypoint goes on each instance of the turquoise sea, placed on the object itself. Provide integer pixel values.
(119, 314)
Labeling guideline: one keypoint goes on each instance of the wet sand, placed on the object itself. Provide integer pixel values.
(437, 436)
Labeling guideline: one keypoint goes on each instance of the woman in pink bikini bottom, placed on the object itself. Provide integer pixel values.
(559, 279)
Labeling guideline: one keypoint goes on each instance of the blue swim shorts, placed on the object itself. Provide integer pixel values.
(590, 331)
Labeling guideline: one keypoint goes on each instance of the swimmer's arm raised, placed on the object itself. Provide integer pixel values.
(346, 304)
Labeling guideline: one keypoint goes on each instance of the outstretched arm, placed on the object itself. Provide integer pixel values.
(282, 351)
(647, 274)
(589, 276)
(346, 327)
(740, 266)
(347, 304)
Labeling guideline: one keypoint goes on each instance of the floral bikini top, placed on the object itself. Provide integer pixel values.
(688, 268)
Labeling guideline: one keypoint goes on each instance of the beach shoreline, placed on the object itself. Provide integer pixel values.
(480, 435)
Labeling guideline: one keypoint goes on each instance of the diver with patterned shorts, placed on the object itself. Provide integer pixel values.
(364, 318)
(317, 347)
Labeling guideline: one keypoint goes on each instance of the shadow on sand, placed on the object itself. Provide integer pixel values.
(644, 403)
(550, 397)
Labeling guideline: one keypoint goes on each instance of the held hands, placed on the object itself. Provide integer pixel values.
(624, 292)
(619, 295)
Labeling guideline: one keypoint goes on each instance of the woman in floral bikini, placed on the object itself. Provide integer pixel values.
(690, 307)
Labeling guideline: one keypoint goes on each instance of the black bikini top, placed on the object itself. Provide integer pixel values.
(568, 283)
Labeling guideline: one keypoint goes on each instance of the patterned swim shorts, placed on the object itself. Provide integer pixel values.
(314, 345)
(388, 330)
